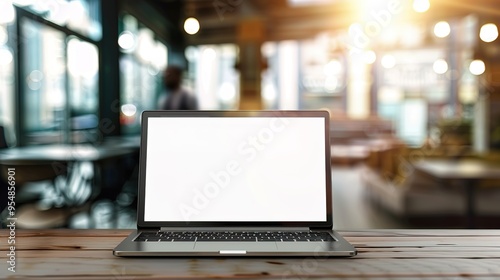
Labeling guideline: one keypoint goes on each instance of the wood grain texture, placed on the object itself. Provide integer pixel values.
(383, 254)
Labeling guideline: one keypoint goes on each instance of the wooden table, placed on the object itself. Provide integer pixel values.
(76, 172)
(383, 254)
(62, 153)
(58, 156)
(468, 171)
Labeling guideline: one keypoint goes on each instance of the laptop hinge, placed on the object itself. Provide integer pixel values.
(234, 228)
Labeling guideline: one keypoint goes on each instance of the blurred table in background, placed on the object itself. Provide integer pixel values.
(468, 171)
(348, 155)
(78, 172)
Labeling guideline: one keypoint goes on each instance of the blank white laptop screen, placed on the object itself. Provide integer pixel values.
(235, 169)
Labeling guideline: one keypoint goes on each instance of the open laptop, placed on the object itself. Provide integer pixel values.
(235, 183)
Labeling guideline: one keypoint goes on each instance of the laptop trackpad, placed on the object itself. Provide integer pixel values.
(236, 246)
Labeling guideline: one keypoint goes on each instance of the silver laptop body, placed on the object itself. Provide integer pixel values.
(235, 183)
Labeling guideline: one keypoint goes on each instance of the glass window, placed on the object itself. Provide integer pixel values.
(142, 61)
(82, 16)
(304, 74)
(60, 76)
(6, 85)
(83, 67)
(213, 77)
(44, 81)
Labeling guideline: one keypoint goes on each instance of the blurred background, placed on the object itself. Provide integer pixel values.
(411, 85)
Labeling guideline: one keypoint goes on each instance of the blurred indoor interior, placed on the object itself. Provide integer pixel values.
(413, 88)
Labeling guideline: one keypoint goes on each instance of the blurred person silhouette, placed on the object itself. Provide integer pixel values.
(176, 97)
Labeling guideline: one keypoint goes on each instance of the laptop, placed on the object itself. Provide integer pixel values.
(235, 183)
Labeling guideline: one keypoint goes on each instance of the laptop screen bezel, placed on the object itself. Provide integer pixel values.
(146, 115)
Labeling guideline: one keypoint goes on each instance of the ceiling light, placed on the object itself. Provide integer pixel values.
(440, 66)
(477, 67)
(488, 32)
(191, 26)
(442, 29)
(421, 6)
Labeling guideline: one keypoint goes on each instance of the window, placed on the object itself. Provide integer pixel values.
(6, 83)
(59, 70)
(213, 77)
(44, 81)
(82, 16)
(142, 61)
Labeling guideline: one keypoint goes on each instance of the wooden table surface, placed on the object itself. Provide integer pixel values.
(383, 254)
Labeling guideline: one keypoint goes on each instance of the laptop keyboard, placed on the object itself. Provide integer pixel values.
(256, 236)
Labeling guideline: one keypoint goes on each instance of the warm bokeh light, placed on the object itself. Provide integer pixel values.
(191, 26)
(440, 66)
(369, 57)
(468, 93)
(388, 61)
(442, 29)
(421, 6)
(488, 32)
(390, 95)
(333, 67)
(477, 67)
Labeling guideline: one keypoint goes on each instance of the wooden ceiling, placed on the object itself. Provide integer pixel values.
(219, 18)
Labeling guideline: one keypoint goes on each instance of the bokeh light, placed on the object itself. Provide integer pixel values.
(442, 29)
(488, 32)
(477, 67)
(369, 57)
(333, 67)
(440, 66)
(126, 41)
(129, 110)
(388, 61)
(421, 6)
(5, 56)
(191, 26)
